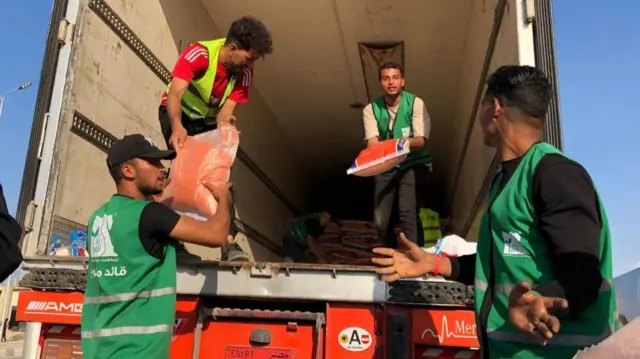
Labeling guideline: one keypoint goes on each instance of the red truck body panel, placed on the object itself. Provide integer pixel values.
(345, 330)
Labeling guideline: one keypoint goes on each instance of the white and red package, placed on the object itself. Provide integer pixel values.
(379, 158)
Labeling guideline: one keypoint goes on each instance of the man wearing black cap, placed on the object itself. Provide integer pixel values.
(130, 296)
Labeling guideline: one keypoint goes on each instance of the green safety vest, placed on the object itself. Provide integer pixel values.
(298, 232)
(196, 100)
(431, 226)
(130, 296)
(402, 127)
(520, 253)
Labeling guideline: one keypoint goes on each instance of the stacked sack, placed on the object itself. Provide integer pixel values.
(350, 242)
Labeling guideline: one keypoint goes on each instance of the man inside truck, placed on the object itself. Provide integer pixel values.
(399, 114)
(208, 82)
(130, 296)
(303, 236)
(543, 269)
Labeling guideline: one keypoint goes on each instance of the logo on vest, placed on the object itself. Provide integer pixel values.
(513, 245)
(101, 246)
(406, 131)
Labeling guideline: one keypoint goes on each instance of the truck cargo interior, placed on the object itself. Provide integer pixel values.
(303, 127)
(106, 64)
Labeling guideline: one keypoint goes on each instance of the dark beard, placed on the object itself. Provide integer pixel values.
(150, 191)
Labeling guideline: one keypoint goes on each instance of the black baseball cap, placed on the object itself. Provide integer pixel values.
(136, 146)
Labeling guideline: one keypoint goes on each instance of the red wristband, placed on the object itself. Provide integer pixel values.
(436, 268)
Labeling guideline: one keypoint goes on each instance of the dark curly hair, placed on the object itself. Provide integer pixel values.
(249, 33)
(390, 65)
(524, 87)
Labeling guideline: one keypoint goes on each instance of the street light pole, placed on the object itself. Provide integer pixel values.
(6, 304)
(21, 87)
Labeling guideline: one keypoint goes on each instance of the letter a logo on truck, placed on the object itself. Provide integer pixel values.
(355, 339)
(101, 245)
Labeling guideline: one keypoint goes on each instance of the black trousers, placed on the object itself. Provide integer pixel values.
(400, 192)
(193, 128)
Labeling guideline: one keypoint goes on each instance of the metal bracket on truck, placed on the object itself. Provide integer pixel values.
(299, 281)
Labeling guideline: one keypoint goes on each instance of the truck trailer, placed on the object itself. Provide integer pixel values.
(628, 294)
(105, 67)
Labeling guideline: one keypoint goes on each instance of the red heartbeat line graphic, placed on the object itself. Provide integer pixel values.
(445, 332)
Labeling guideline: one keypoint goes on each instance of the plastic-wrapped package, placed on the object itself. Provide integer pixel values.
(452, 246)
(380, 158)
(76, 248)
(55, 246)
(204, 158)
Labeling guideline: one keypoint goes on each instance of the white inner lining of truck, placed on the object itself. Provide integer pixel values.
(301, 126)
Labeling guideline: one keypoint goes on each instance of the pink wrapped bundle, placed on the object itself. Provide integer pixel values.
(205, 158)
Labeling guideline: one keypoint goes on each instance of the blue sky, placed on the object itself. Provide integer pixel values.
(23, 47)
(598, 52)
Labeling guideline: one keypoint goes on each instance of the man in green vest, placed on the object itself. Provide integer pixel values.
(130, 296)
(543, 268)
(304, 235)
(209, 80)
(399, 114)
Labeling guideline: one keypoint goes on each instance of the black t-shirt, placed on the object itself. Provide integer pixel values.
(567, 214)
(156, 223)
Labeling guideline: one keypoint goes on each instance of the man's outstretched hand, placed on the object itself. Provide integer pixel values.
(224, 118)
(407, 262)
(532, 313)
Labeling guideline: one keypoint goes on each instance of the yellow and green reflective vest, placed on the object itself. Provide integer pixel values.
(196, 102)
(130, 296)
(431, 226)
(520, 253)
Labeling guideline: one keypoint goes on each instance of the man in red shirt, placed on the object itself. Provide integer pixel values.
(209, 80)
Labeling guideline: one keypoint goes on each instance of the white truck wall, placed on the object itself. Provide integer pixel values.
(479, 24)
(627, 287)
(514, 45)
(118, 92)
